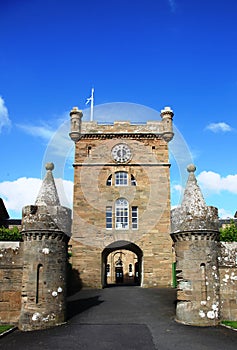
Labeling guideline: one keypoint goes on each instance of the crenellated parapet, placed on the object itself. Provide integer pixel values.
(46, 235)
(121, 129)
(201, 235)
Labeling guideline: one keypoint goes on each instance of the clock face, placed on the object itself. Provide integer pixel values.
(121, 153)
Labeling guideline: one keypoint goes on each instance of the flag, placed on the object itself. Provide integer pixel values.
(90, 99)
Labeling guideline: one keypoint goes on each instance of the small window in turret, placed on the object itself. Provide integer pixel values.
(89, 151)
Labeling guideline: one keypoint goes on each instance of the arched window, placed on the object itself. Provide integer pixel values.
(133, 181)
(121, 214)
(109, 181)
(121, 178)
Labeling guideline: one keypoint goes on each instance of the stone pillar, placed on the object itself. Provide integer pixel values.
(45, 231)
(195, 235)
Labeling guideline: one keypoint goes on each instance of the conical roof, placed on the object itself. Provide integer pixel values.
(193, 199)
(48, 194)
(193, 214)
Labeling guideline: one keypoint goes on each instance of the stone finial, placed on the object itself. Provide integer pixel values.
(191, 168)
(167, 112)
(49, 166)
(75, 110)
(48, 194)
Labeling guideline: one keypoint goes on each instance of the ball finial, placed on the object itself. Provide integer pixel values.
(49, 166)
(191, 168)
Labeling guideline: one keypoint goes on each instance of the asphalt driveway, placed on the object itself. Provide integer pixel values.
(123, 318)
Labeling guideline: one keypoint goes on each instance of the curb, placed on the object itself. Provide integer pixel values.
(229, 327)
(8, 332)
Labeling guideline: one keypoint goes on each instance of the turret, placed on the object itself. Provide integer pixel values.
(76, 116)
(167, 122)
(195, 234)
(45, 231)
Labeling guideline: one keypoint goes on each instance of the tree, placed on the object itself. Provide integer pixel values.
(229, 233)
(10, 234)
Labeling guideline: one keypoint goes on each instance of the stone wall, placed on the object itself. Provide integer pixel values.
(228, 280)
(11, 260)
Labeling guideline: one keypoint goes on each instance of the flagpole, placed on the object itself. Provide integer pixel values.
(92, 103)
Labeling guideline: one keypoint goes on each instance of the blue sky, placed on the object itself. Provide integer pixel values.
(155, 53)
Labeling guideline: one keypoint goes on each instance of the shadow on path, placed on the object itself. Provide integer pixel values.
(76, 307)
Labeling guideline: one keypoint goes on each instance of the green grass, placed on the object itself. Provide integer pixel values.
(232, 324)
(4, 328)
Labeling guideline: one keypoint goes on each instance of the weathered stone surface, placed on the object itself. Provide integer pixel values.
(228, 280)
(11, 260)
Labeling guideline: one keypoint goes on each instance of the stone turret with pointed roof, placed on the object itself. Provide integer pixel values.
(195, 234)
(46, 227)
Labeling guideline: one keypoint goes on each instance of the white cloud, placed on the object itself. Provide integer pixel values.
(23, 191)
(4, 117)
(177, 188)
(43, 131)
(56, 137)
(224, 214)
(19, 193)
(212, 182)
(219, 127)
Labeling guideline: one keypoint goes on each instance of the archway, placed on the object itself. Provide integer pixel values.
(121, 264)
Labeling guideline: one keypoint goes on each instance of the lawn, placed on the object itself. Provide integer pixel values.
(5, 327)
(232, 324)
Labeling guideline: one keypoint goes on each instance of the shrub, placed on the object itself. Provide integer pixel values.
(229, 233)
(10, 234)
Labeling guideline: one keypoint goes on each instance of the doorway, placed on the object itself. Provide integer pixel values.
(121, 264)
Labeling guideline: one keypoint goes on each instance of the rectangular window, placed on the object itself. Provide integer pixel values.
(121, 178)
(109, 222)
(134, 218)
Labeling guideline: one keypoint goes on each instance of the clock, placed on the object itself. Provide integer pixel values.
(121, 153)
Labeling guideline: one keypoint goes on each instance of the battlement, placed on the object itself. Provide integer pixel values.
(83, 129)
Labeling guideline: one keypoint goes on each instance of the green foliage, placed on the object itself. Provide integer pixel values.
(232, 324)
(4, 328)
(10, 234)
(229, 233)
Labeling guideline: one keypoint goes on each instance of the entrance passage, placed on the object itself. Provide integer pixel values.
(121, 264)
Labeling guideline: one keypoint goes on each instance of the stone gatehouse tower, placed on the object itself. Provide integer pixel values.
(121, 207)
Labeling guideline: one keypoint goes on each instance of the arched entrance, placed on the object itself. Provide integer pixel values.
(121, 264)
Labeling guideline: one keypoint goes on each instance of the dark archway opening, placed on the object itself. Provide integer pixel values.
(121, 264)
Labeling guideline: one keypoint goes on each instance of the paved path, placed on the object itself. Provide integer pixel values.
(123, 318)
